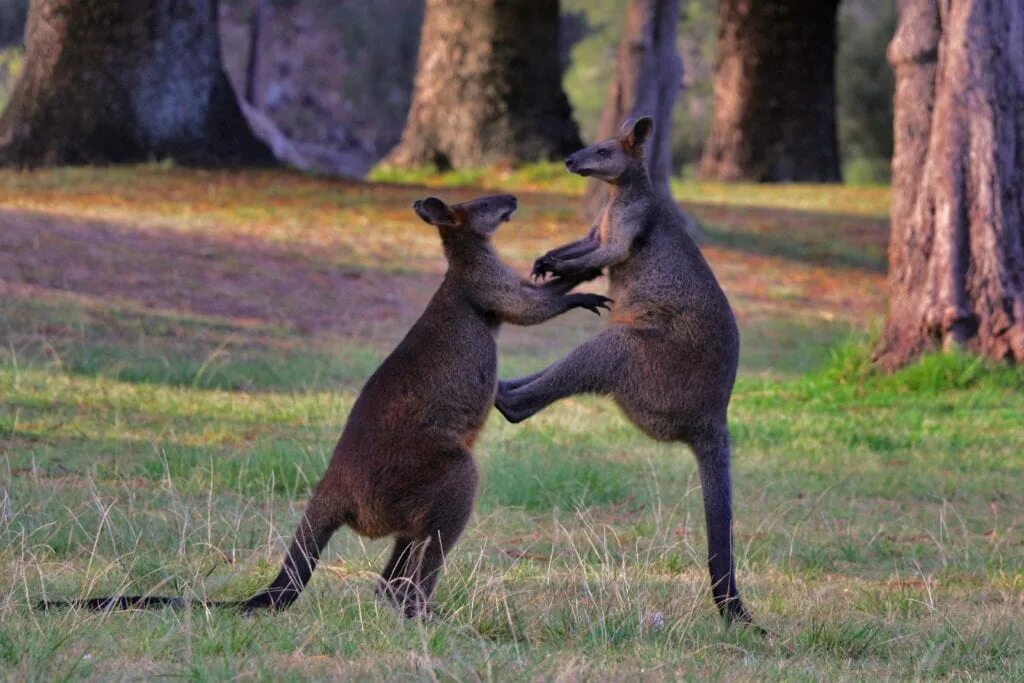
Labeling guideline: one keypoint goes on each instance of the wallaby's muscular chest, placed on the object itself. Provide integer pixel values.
(620, 221)
(438, 384)
(665, 279)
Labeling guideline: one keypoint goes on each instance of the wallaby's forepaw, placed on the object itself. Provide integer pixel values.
(587, 275)
(542, 267)
(592, 302)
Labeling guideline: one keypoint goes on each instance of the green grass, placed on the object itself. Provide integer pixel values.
(155, 442)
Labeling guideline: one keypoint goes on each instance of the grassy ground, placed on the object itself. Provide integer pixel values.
(178, 352)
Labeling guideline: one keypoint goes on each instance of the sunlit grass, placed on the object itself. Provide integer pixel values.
(860, 200)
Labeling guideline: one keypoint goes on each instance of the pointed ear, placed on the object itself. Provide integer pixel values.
(638, 134)
(435, 212)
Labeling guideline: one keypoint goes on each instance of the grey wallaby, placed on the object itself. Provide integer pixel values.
(403, 466)
(670, 352)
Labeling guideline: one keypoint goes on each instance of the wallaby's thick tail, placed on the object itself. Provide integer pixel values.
(713, 453)
(316, 528)
(125, 602)
(314, 531)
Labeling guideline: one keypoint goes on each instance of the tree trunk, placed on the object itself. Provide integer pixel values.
(956, 256)
(108, 81)
(775, 110)
(252, 61)
(488, 88)
(648, 77)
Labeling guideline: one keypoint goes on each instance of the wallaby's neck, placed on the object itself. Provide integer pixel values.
(465, 251)
(466, 254)
(630, 186)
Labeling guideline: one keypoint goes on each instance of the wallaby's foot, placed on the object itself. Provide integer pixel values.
(746, 621)
(403, 595)
(504, 406)
(591, 302)
(735, 612)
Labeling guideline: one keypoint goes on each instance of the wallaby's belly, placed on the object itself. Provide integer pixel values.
(414, 421)
(682, 341)
(678, 296)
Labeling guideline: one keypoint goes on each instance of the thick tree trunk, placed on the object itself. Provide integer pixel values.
(956, 256)
(775, 112)
(109, 81)
(648, 77)
(488, 88)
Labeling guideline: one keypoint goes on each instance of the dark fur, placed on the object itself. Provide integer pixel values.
(403, 466)
(670, 352)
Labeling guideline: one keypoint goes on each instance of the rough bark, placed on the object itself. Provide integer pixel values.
(775, 113)
(648, 78)
(956, 256)
(109, 81)
(488, 87)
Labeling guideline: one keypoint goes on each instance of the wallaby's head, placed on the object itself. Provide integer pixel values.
(480, 216)
(615, 158)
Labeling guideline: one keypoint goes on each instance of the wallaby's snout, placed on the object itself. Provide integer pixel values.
(578, 162)
(508, 205)
(485, 214)
(612, 159)
(606, 160)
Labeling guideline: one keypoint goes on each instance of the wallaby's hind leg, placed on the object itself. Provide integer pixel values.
(449, 513)
(399, 569)
(508, 385)
(592, 367)
(413, 594)
(400, 560)
(318, 524)
(713, 455)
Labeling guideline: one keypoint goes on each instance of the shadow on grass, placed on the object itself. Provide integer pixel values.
(243, 278)
(133, 344)
(242, 313)
(823, 239)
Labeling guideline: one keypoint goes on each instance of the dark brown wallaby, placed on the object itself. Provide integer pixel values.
(403, 466)
(670, 352)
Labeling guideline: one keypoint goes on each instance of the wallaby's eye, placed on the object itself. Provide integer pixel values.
(603, 153)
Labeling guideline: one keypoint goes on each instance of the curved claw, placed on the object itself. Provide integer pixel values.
(543, 267)
(595, 302)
